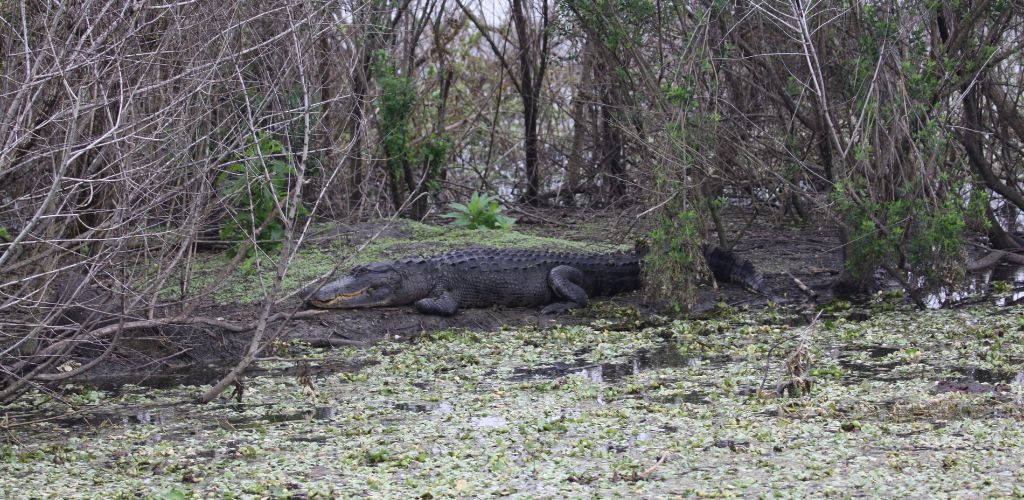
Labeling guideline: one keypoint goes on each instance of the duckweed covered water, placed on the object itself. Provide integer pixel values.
(679, 408)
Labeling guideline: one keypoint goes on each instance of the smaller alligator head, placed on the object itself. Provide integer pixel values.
(379, 284)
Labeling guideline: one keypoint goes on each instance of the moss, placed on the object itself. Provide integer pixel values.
(247, 287)
(448, 237)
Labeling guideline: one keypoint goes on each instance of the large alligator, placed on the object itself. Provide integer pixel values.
(481, 277)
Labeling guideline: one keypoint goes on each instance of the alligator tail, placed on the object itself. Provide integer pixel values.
(727, 267)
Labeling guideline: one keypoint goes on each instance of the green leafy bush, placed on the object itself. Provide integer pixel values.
(674, 265)
(929, 235)
(482, 212)
(395, 105)
(247, 186)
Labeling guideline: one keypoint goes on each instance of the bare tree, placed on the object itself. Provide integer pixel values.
(532, 25)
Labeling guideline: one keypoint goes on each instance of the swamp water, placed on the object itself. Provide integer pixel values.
(902, 402)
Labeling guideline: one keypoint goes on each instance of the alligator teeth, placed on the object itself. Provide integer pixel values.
(341, 297)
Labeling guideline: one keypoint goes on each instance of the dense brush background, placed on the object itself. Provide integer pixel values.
(135, 134)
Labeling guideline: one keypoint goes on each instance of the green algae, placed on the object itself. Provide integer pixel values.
(569, 411)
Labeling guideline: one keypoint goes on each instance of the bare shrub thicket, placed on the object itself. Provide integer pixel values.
(889, 120)
(120, 123)
(136, 134)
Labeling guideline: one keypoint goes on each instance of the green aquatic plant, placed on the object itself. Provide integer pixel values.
(494, 412)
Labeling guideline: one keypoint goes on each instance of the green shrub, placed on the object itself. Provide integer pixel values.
(246, 186)
(674, 265)
(930, 234)
(482, 212)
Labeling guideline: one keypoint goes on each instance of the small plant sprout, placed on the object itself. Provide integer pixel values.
(482, 212)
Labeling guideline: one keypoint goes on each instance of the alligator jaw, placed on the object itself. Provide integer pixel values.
(338, 300)
(347, 292)
(372, 286)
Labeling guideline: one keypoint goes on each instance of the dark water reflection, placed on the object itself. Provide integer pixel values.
(667, 356)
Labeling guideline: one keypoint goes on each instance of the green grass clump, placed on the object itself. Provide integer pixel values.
(448, 238)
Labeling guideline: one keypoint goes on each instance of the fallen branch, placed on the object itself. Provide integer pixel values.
(53, 377)
(649, 471)
(992, 258)
(176, 320)
(803, 288)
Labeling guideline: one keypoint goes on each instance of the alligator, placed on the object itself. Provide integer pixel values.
(482, 277)
(729, 268)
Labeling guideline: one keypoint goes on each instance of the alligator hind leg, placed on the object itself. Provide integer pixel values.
(565, 282)
(442, 305)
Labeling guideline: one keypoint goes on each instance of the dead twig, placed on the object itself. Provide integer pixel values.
(651, 469)
(803, 288)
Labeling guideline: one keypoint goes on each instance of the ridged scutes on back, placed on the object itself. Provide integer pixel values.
(490, 259)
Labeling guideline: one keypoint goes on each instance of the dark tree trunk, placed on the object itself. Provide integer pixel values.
(529, 87)
(575, 167)
(360, 81)
(611, 144)
(972, 142)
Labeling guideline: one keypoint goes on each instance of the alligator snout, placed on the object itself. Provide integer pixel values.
(309, 293)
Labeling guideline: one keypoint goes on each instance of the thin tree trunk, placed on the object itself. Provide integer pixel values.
(574, 170)
(611, 143)
(528, 92)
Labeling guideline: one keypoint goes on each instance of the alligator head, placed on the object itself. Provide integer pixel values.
(379, 284)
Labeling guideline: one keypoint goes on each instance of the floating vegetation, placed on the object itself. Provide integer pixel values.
(902, 403)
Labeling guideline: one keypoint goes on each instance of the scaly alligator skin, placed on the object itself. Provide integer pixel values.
(727, 267)
(481, 277)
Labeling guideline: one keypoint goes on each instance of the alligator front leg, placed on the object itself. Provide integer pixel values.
(444, 304)
(564, 281)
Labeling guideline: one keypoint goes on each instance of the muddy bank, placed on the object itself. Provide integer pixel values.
(201, 353)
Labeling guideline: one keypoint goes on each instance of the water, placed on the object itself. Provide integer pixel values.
(979, 288)
(666, 356)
